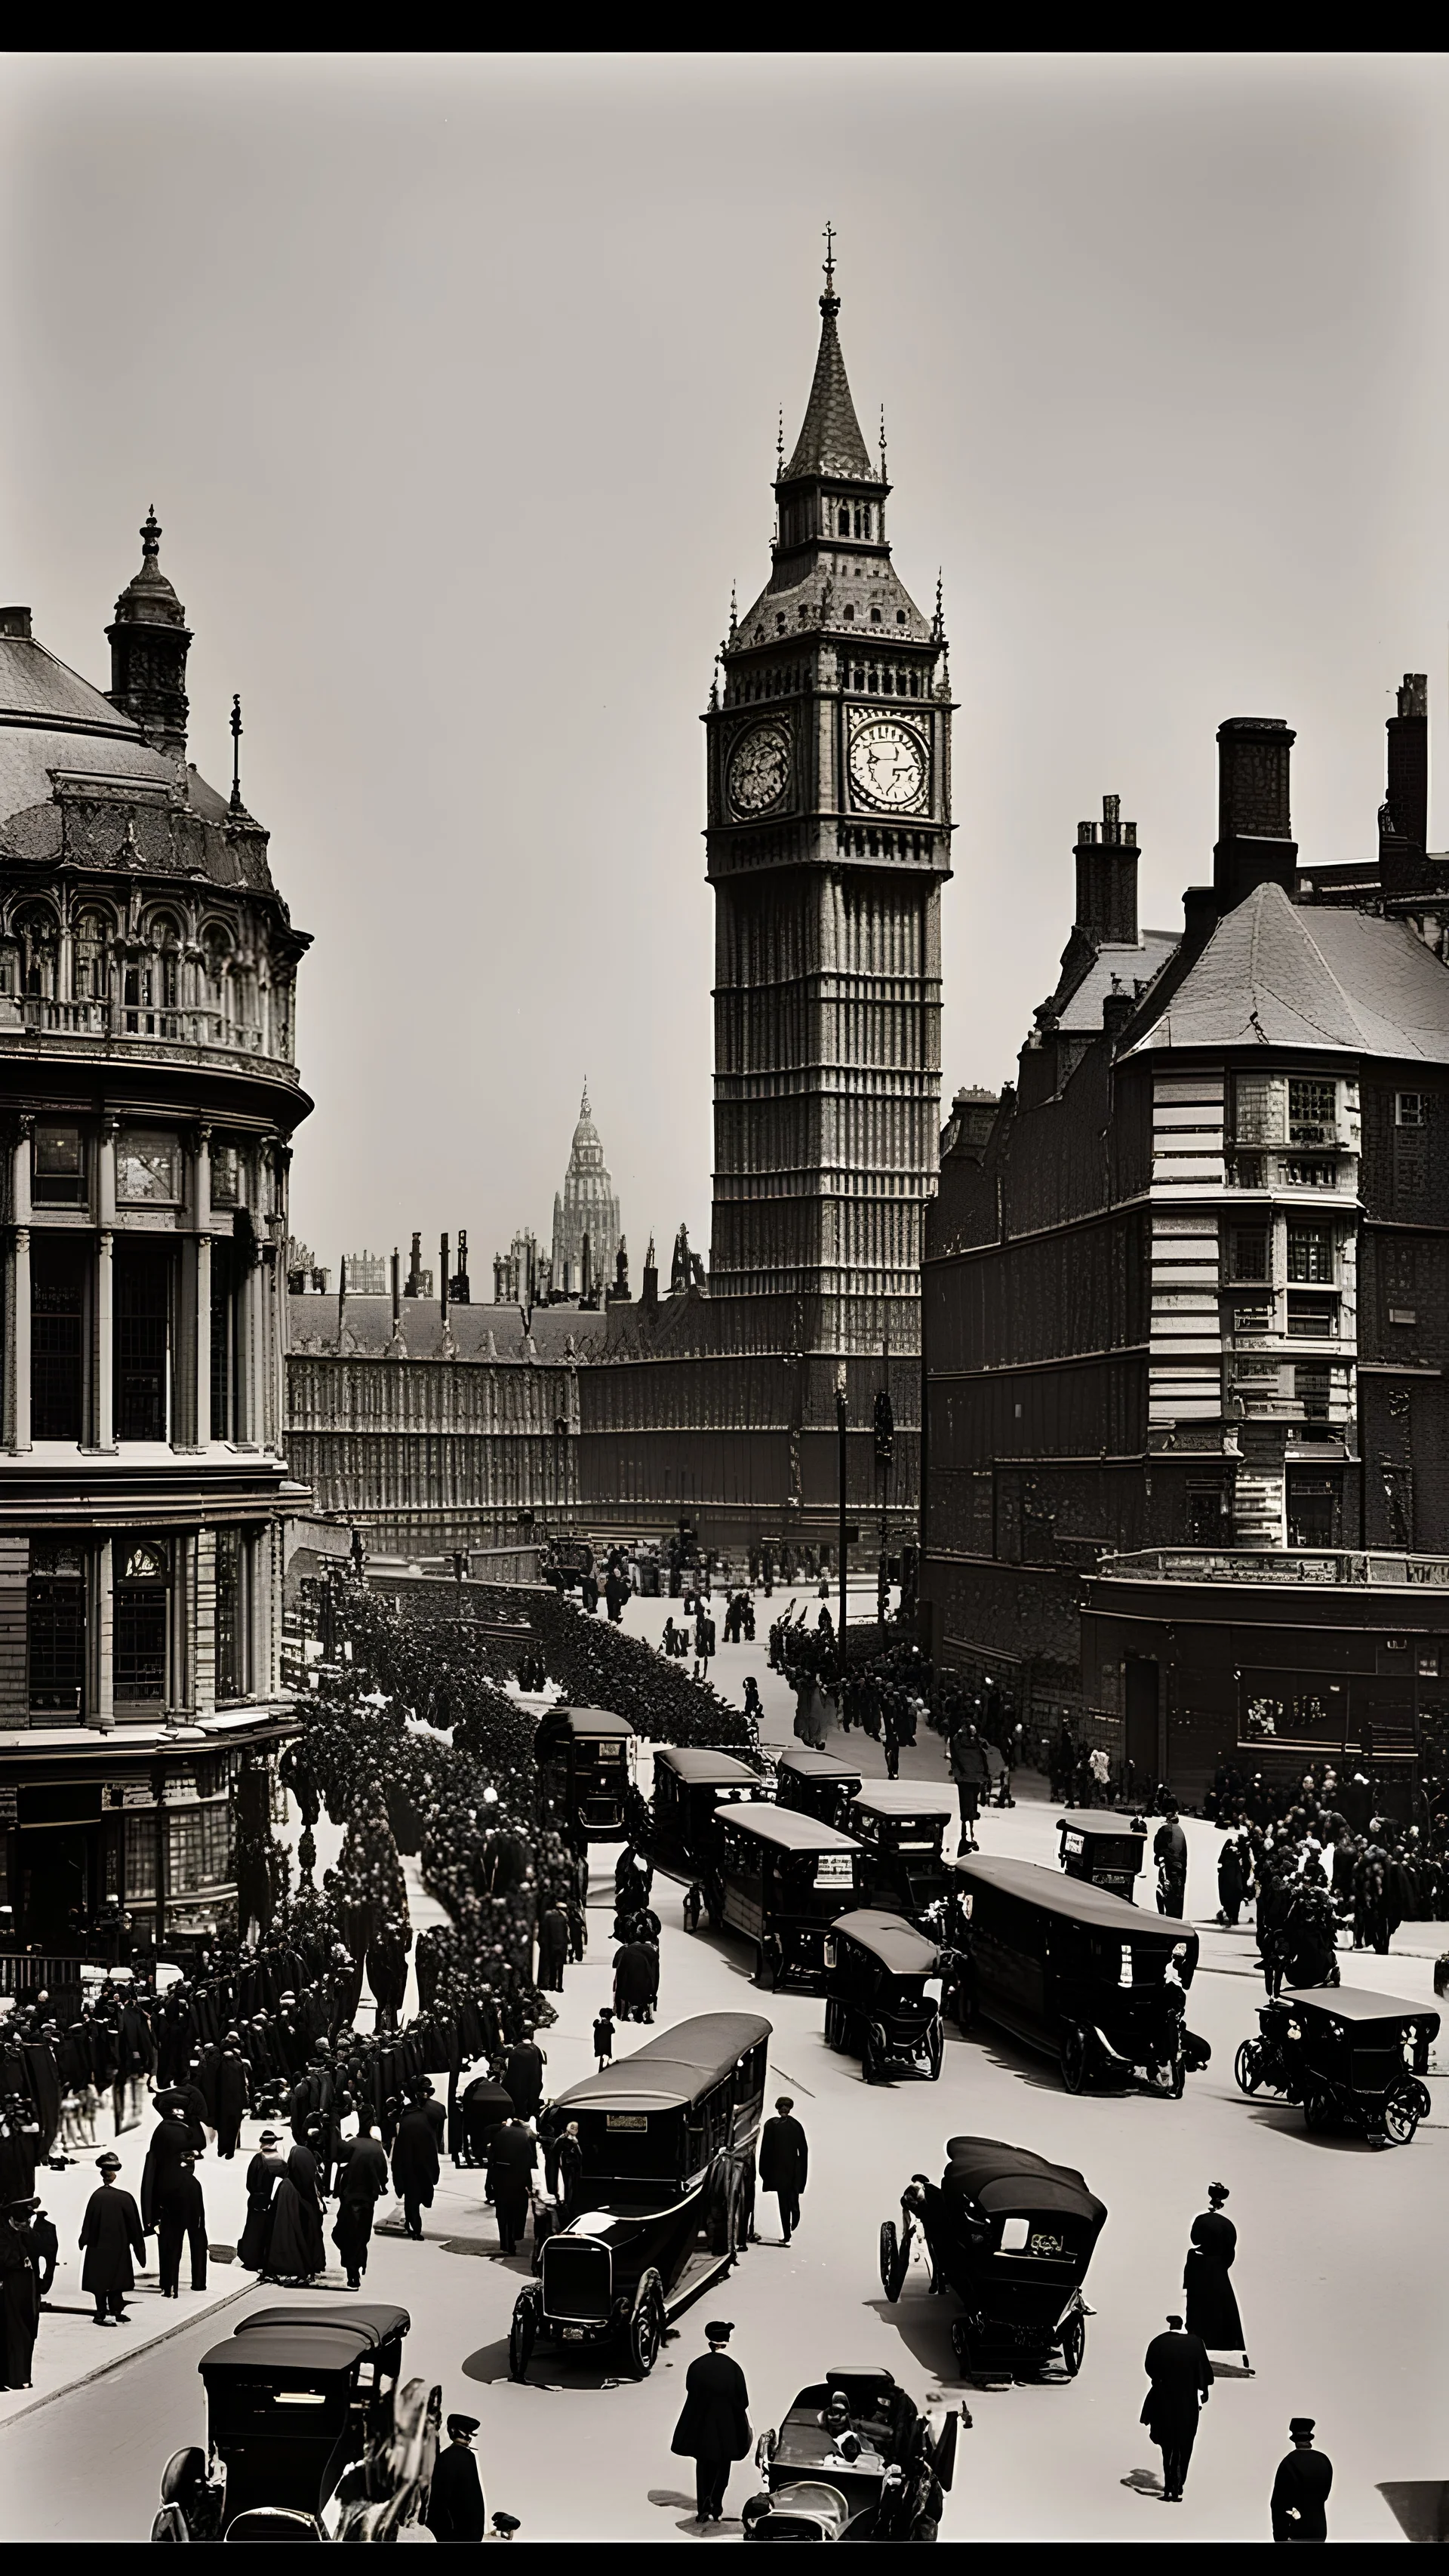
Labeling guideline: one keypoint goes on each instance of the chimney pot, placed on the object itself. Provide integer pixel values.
(1107, 878)
(16, 622)
(1255, 844)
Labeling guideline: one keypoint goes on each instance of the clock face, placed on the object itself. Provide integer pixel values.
(888, 763)
(759, 769)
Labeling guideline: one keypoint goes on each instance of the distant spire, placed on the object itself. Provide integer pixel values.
(780, 445)
(237, 806)
(584, 1103)
(714, 687)
(151, 537)
(882, 444)
(829, 298)
(938, 623)
(734, 613)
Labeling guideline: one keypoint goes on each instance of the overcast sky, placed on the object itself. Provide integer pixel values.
(454, 383)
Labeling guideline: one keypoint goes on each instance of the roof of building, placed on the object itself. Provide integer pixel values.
(1275, 973)
(1117, 967)
(830, 440)
(367, 1330)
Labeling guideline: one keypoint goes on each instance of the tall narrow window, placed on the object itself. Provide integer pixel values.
(38, 950)
(55, 1621)
(90, 971)
(1310, 1254)
(223, 1352)
(142, 1314)
(57, 1339)
(229, 1626)
(58, 1176)
(140, 1622)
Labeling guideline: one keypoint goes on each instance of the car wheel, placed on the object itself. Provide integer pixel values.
(522, 2334)
(1248, 2066)
(935, 2049)
(961, 2344)
(1317, 2112)
(1422, 2098)
(1074, 2344)
(1401, 2116)
(1073, 2058)
(1178, 2076)
(646, 2332)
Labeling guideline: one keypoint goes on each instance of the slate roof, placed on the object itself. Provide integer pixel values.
(367, 1329)
(830, 441)
(1276, 973)
(1081, 1013)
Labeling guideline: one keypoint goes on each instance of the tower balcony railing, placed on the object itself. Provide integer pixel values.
(151, 1023)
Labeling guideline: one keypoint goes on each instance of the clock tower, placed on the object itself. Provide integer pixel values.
(828, 844)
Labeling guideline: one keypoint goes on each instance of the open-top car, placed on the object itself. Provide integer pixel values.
(901, 1826)
(1353, 2059)
(667, 2191)
(853, 2460)
(1012, 2235)
(311, 2433)
(883, 1995)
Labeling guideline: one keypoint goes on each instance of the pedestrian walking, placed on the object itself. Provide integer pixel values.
(512, 2162)
(891, 1738)
(415, 2163)
(553, 1949)
(1300, 2489)
(1180, 2384)
(294, 2248)
(693, 1905)
(361, 2182)
(1169, 1850)
(110, 2235)
(1212, 2306)
(263, 2175)
(966, 1755)
(603, 2038)
(523, 2075)
(714, 2428)
(182, 2221)
(233, 2093)
(784, 2163)
(19, 2293)
(456, 2510)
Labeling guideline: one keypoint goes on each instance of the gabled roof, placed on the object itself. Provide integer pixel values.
(1275, 973)
(830, 441)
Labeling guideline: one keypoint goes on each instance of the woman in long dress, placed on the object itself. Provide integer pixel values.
(295, 2251)
(1212, 2305)
(263, 2175)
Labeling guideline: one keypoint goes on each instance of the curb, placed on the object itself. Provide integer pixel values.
(103, 2369)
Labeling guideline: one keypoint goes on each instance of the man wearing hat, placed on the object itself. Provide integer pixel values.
(456, 2510)
(784, 2163)
(1181, 2380)
(110, 2235)
(1300, 2489)
(714, 2429)
(181, 2219)
(19, 2293)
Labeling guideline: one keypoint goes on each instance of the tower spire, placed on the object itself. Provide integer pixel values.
(236, 735)
(830, 440)
(829, 301)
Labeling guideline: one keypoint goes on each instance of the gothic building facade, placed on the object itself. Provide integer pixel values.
(147, 1015)
(586, 1228)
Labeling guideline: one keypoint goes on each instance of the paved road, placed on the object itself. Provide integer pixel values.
(1339, 2280)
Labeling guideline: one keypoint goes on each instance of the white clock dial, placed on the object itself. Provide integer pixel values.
(888, 764)
(759, 769)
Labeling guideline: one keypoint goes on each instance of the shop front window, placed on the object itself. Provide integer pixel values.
(198, 1848)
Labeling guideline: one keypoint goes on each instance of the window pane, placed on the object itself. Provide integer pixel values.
(142, 1285)
(59, 1167)
(147, 1166)
(56, 1639)
(140, 1623)
(140, 1856)
(1312, 1112)
(222, 1309)
(1254, 1104)
(57, 1318)
(1413, 1109)
(1310, 1253)
(1250, 1252)
(228, 1630)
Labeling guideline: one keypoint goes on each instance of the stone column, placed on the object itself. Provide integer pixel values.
(102, 1711)
(201, 1166)
(258, 1678)
(18, 1354)
(182, 1659)
(105, 1403)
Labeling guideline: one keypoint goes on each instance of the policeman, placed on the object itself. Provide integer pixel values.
(456, 2510)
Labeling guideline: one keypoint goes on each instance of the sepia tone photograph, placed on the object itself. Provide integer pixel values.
(724, 1298)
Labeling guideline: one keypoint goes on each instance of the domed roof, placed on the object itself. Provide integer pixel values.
(587, 1154)
(149, 598)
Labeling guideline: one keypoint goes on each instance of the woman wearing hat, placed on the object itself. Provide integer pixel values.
(263, 2175)
(110, 2235)
(714, 2429)
(1212, 2306)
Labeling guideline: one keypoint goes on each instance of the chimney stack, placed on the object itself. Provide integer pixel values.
(1255, 844)
(1404, 814)
(1107, 878)
(15, 622)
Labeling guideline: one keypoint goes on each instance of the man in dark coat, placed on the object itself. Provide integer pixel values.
(1169, 1850)
(110, 2235)
(181, 2218)
(233, 2092)
(512, 2162)
(784, 2163)
(714, 2428)
(553, 1949)
(361, 2181)
(170, 2140)
(456, 2510)
(19, 2294)
(523, 2075)
(1300, 2489)
(415, 2166)
(263, 2175)
(1181, 2380)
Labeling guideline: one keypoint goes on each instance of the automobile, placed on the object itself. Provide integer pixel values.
(312, 2434)
(901, 1827)
(1079, 1973)
(1012, 2234)
(854, 2459)
(667, 2190)
(883, 1995)
(1104, 1850)
(780, 1879)
(585, 1763)
(816, 1784)
(1351, 2058)
(690, 1783)
(483, 2108)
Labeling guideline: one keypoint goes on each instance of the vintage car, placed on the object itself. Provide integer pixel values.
(311, 2432)
(853, 2460)
(816, 1784)
(1353, 2059)
(780, 1879)
(883, 1995)
(1012, 2235)
(585, 1760)
(1104, 1850)
(667, 2190)
(901, 1827)
(1080, 1973)
(689, 1785)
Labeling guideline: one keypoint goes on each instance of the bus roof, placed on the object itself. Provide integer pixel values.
(889, 1938)
(786, 1827)
(675, 2068)
(1097, 1822)
(1074, 1898)
(818, 1766)
(705, 1764)
(907, 1798)
(585, 1721)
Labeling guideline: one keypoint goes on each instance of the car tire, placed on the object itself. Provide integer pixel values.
(1074, 2059)
(1401, 2116)
(890, 2254)
(522, 2334)
(961, 2345)
(646, 2328)
(1317, 2112)
(1178, 2076)
(936, 2049)
(1074, 2344)
(1248, 2066)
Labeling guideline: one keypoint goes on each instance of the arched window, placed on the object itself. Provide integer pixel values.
(167, 940)
(850, 613)
(91, 964)
(216, 948)
(37, 936)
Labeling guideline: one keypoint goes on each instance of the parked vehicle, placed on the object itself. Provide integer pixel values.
(780, 1879)
(311, 2433)
(1104, 1850)
(1352, 2059)
(667, 2136)
(1013, 2236)
(585, 1760)
(1076, 1971)
(883, 1996)
(901, 1826)
(853, 2460)
(689, 1784)
(816, 1784)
